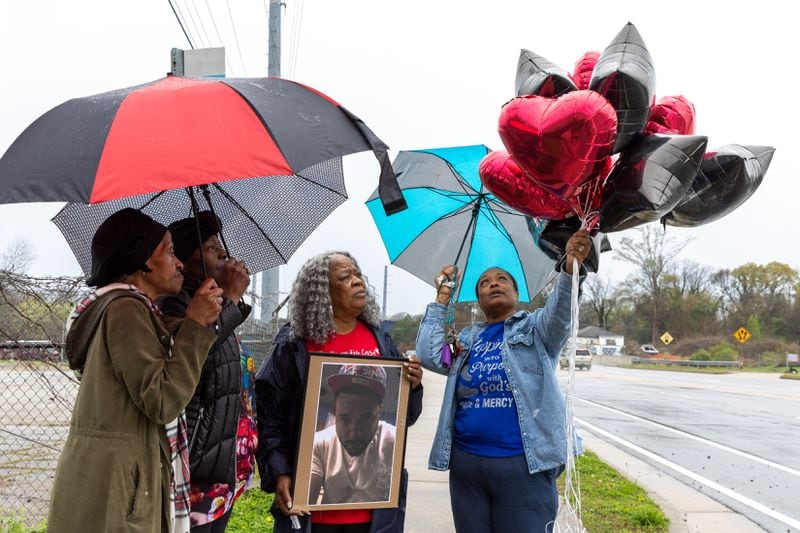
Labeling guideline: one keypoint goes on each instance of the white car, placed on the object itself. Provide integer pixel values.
(649, 349)
(583, 359)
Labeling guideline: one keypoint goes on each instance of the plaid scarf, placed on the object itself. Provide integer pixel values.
(92, 298)
(178, 438)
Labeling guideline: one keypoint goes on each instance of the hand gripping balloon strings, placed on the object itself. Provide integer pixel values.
(450, 347)
(571, 507)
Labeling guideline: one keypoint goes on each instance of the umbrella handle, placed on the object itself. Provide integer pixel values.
(195, 215)
(207, 195)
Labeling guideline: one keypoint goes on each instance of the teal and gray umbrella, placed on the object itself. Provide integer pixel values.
(452, 219)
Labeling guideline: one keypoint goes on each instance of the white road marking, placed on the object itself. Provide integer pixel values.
(717, 445)
(789, 521)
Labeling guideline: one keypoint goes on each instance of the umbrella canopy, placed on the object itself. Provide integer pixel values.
(264, 221)
(268, 151)
(452, 219)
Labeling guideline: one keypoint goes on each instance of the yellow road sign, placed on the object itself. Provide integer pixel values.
(666, 338)
(742, 335)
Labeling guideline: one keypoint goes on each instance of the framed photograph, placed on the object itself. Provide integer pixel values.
(353, 433)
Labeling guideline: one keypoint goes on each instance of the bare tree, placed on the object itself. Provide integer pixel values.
(601, 297)
(694, 278)
(32, 307)
(654, 253)
(17, 256)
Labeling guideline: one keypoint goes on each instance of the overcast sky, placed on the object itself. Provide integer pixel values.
(427, 74)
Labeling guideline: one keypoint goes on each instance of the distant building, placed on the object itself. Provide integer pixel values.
(600, 341)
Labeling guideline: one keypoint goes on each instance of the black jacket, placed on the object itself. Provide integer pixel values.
(280, 386)
(213, 411)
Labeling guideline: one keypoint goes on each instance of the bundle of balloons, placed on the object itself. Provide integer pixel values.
(595, 149)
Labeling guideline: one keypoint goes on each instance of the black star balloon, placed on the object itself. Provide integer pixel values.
(728, 176)
(625, 75)
(536, 75)
(649, 179)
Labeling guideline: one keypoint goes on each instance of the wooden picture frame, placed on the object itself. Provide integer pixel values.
(351, 460)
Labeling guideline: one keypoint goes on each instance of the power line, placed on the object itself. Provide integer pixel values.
(294, 38)
(180, 23)
(194, 24)
(202, 26)
(236, 37)
(296, 46)
(219, 38)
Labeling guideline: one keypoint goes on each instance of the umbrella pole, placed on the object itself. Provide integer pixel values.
(195, 213)
(475, 211)
(207, 196)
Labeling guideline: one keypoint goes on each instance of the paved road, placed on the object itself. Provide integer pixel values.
(735, 437)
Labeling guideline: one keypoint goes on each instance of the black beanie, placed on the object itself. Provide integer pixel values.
(184, 233)
(122, 244)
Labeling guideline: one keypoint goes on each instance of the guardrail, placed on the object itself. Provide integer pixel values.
(686, 362)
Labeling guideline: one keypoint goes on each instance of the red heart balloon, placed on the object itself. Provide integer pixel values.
(503, 177)
(671, 115)
(582, 73)
(559, 143)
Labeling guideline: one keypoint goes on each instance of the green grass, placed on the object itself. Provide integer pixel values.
(251, 512)
(710, 370)
(611, 503)
(15, 523)
(676, 368)
(771, 369)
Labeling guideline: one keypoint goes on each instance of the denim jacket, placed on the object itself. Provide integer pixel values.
(532, 342)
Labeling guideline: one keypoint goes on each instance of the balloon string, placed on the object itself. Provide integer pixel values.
(570, 521)
(589, 217)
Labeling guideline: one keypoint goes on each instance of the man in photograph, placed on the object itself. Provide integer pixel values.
(352, 459)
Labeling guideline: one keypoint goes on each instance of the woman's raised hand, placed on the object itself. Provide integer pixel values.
(442, 283)
(206, 304)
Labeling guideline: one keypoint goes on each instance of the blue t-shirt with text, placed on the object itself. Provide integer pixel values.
(486, 422)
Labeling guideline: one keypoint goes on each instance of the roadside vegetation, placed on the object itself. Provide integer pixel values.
(611, 503)
(676, 368)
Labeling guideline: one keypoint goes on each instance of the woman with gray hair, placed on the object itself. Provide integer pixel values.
(332, 310)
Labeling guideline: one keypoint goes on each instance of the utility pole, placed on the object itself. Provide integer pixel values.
(385, 285)
(274, 65)
(270, 279)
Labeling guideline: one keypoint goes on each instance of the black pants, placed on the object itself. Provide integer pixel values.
(364, 527)
(217, 526)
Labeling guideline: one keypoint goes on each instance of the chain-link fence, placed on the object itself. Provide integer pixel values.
(37, 397)
(37, 389)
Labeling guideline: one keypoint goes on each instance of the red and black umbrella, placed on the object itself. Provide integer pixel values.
(265, 152)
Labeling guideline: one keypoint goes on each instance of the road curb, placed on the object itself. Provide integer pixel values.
(688, 509)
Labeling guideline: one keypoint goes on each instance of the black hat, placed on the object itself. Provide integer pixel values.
(184, 233)
(122, 244)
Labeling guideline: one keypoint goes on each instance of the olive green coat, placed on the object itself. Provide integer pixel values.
(115, 469)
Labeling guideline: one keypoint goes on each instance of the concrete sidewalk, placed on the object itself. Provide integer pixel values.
(428, 507)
